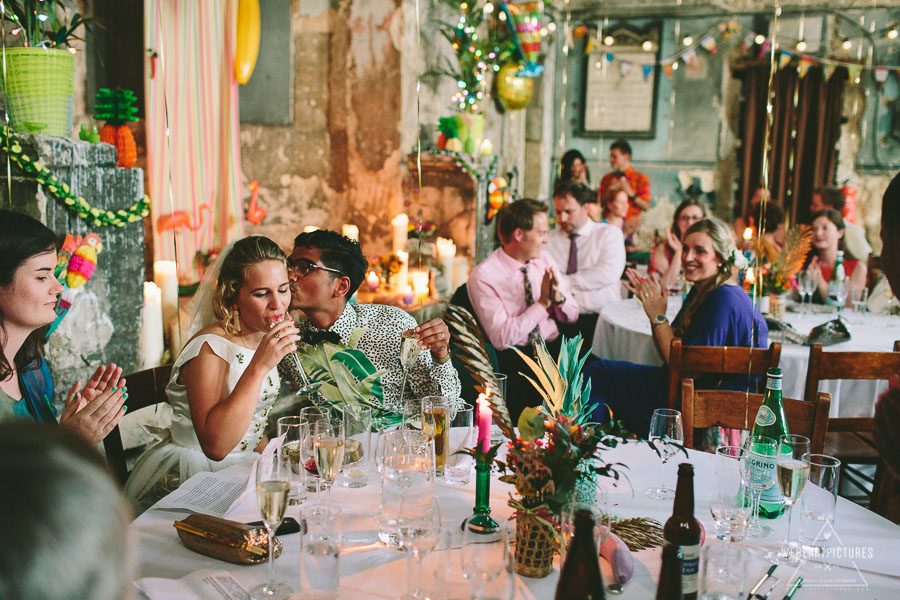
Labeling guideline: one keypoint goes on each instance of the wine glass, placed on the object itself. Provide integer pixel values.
(273, 485)
(418, 530)
(295, 431)
(409, 354)
(329, 445)
(757, 475)
(599, 511)
(792, 465)
(665, 428)
(487, 561)
(806, 285)
(727, 504)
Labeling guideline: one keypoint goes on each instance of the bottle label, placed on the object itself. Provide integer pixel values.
(762, 469)
(766, 416)
(690, 566)
(774, 383)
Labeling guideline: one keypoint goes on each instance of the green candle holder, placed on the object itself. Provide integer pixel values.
(481, 521)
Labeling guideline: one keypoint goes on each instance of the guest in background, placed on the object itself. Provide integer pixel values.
(28, 294)
(636, 184)
(773, 231)
(589, 257)
(615, 212)
(225, 381)
(573, 167)
(665, 257)
(65, 524)
(749, 218)
(828, 233)
(854, 237)
(519, 296)
(717, 312)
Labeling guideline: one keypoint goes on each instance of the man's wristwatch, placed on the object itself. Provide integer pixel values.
(659, 320)
(561, 300)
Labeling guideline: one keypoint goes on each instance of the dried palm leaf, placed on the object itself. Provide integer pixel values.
(797, 243)
(550, 384)
(639, 533)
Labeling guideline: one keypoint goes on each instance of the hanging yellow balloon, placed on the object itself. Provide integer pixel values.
(513, 92)
(247, 40)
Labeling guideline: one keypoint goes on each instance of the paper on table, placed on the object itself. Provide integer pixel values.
(250, 486)
(201, 585)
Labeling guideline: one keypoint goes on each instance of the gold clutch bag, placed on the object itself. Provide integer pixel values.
(226, 540)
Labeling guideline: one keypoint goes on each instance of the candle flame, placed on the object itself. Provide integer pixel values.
(748, 233)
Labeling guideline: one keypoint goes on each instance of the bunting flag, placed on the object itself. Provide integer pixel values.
(709, 43)
(625, 68)
(783, 59)
(590, 46)
(689, 56)
(667, 69)
(881, 75)
(648, 70)
(580, 31)
(855, 71)
(828, 71)
(748, 41)
(804, 67)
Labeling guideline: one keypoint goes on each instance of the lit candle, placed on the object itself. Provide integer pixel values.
(372, 281)
(487, 148)
(351, 231)
(420, 285)
(165, 275)
(151, 339)
(748, 233)
(485, 415)
(445, 248)
(310, 229)
(408, 297)
(400, 225)
(460, 272)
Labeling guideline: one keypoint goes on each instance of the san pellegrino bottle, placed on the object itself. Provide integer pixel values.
(771, 422)
(580, 578)
(669, 587)
(837, 279)
(683, 531)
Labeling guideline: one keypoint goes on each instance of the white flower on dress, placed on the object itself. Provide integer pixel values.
(739, 260)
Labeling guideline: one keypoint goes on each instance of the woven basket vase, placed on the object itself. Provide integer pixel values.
(535, 545)
(39, 90)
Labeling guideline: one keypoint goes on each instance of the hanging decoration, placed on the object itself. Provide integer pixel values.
(75, 265)
(525, 20)
(116, 107)
(62, 192)
(255, 214)
(498, 195)
(247, 47)
(513, 92)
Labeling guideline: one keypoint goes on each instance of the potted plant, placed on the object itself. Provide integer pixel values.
(40, 75)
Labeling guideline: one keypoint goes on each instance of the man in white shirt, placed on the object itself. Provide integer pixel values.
(590, 256)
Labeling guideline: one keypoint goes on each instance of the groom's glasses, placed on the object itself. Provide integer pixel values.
(302, 267)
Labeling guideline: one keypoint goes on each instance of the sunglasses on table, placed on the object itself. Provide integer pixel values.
(303, 267)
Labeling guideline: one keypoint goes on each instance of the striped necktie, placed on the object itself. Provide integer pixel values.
(534, 336)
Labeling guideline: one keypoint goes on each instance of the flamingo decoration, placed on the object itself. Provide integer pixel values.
(180, 218)
(255, 214)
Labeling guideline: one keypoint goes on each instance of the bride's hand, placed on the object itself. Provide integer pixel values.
(281, 339)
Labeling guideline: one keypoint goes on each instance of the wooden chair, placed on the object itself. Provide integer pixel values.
(688, 362)
(850, 438)
(719, 408)
(145, 388)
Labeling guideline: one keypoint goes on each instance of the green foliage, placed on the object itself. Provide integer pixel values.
(40, 22)
(116, 107)
(576, 402)
(531, 424)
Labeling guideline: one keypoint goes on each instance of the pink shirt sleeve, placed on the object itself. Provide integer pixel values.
(503, 328)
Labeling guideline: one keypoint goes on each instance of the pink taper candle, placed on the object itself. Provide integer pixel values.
(485, 416)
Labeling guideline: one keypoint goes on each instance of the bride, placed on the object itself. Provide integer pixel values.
(225, 380)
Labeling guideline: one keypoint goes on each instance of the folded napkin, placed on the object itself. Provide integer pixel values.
(619, 557)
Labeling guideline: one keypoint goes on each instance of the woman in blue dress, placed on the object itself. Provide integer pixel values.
(717, 312)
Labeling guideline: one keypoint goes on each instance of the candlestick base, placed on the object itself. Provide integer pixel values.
(481, 521)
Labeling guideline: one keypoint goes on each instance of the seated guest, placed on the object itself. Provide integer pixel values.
(828, 233)
(28, 295)
(717, 312)
(773, 231)
(854, 237)
(519, 296)
(636, 184)
(326, 269)
(665, 257)
(65, 525)
(225, 380)
(572, 167)
(589, 256)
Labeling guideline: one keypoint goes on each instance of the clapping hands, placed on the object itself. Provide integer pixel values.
(94, 410)
(648, 291)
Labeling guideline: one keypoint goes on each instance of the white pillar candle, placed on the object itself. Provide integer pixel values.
(460, 273)
(151, 337)
(372, 281)
(400, 225)
(445, 248)
(351, 231)
(310, 229)
(165, 276)
(420, 284)
(401, 279)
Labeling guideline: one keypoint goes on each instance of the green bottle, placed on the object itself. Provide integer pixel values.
(771, 422)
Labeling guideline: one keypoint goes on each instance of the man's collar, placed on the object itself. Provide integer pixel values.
(346, 318)
(508, 260)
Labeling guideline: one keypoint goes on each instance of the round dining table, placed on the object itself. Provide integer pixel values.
(860, 560)
(623, 333)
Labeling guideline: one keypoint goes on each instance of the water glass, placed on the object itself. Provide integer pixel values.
(405, 477)
(450, 581)
(599, 511)
(295, 431)
(488, 562)
(727, 505)
(497, 433)
(723, 572)
(665, 428)
(436, 415)
(418, 531)
(458, 468)
(358, 444)
(819, 501)
(320, 552)
(859, 297)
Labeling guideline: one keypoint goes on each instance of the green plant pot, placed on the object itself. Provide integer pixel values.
(39, 90)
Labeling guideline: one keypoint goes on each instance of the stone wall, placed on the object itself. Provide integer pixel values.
(103, 324)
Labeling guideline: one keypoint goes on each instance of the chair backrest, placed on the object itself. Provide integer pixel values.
(848, 365)
(737, 410)
(145, 388)
(690, 361)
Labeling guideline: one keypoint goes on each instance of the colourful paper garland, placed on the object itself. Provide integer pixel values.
(62, 192)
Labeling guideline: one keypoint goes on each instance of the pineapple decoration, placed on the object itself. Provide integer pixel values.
(116, 107)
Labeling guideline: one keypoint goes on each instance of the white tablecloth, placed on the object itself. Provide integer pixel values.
(623, 333)
(369, 571)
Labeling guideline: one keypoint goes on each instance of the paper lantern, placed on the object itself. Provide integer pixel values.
(513, 92)
(247, 47)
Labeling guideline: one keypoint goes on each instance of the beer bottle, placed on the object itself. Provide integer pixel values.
(771, 422)
(683, 531)
(580, 578)
(837, 279)
(669, 587)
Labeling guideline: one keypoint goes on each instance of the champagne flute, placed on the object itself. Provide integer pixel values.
(409, 354)
(273, 486)
(418, 530)
(665, 428)
(308, 387)
(792, 465)
(758, 474)
(329, 445)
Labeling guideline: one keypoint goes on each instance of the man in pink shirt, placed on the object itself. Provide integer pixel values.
(518, 296)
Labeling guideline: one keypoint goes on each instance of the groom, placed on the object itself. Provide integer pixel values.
(325, 269)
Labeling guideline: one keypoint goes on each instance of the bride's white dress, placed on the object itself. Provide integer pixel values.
(177, 455)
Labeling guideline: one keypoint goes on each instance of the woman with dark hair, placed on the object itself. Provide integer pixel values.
(828, 238)
(225, 380)
(717, 312)
(573, 167)
(28, 295)
(665, 257)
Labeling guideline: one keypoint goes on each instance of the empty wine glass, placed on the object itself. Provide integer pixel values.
(806, 285)
(409, 354)
(792, 466)
(599, 511)
(418, 530)
(329, 444)
(273, 485)
(859, 298)
(727, 504)
(758, 474)
(665, 432)
(487, 560)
